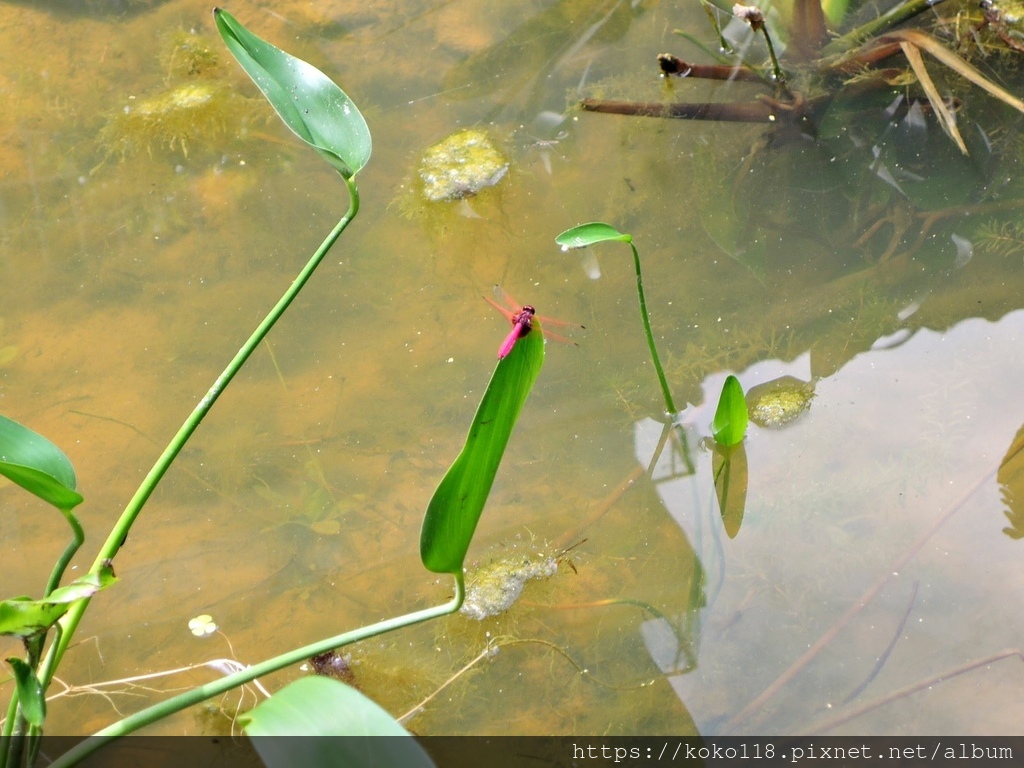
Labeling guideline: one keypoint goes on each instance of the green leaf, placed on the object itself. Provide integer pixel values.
(24, 617)
(30, 692)
(458, 502)
(37, 465)
(589, 234)
(319, 706)
(308, 101)
(730, 422)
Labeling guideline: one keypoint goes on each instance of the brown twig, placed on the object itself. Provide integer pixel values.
(828, 725)
(734, 112)
(673, 65)
(884, 656)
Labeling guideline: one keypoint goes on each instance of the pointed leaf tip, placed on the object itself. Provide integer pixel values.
(730, 422)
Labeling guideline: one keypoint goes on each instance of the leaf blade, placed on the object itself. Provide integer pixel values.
(37, 465)
(30, 692)
(310, 103)
(24, 617)
(730, 422)
(590, 233)
(457, 504)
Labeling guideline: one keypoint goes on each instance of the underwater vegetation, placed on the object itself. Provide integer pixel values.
(493, 589)
(197, 106)
(174, 119)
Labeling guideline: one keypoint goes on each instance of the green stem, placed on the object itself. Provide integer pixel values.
(723, 44)
(78, 538)
(901, 13)
(780, 77)
(69, 622)
(8, 729)
(150, 715)
(650, 335)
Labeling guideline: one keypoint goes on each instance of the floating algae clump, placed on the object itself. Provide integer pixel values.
(460, 166)
(190, 55)
(176, 119)
(779, 401)
(495, 587)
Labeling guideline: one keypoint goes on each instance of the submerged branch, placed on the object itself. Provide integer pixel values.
(673, 65)
(762, 110)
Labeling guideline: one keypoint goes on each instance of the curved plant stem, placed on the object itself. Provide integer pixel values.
(69, 622)
(77, 539)
(159, 711)
(669, 404)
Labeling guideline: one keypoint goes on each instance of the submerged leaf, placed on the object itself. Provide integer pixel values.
(946, 117)
(729, 469)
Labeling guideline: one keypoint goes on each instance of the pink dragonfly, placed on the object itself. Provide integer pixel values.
(522, 322)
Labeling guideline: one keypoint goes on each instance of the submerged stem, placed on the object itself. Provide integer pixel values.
(892, 18)
(669, 403)
(69, 622)
(159, 711)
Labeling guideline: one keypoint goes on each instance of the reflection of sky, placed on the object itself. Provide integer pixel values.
(891, 443)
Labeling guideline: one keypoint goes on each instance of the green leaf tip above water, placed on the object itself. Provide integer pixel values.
(458, 502)
(730, 422)
(308, 101)
(590, 234)
(319, 706)
(37, 465)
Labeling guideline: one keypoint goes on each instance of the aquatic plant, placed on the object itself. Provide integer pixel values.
(823, 66)
(326, 119)
(174, 119)
(596, 232)
(851, 105)
(730, 422)
(196, 106)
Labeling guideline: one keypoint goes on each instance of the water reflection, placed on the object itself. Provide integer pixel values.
(838, 534)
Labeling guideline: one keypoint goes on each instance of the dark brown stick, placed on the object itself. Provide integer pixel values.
(673, 65)
(826, 726)
(734, 112)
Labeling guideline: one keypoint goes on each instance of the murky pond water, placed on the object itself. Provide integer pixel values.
(880, 540)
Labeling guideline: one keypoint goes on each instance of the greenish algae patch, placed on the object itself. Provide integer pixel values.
(174, 119)
(779, 401)
(495, 587)
(460, 166)
(196, 108)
